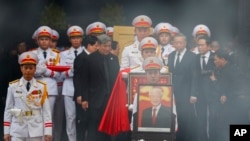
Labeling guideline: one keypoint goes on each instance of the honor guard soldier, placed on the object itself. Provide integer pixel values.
(175, 31)
(163, 33)
(199, 30)
(27, 115)
(131, 55)
(110, 31)
(46, 56)
(59, 103)
(147, 47)
(75, 34)
(96, 29)
(34, 37)
(54, 40)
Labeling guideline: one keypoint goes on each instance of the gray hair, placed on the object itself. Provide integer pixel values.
(159, 90)
(103, 38)
(180, 35)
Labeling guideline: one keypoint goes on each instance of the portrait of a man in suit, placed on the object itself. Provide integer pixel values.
(158, 115)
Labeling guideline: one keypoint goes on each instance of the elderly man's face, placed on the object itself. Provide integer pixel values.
(105, 48)
(155, 96)
(153, 76)
(179, 43)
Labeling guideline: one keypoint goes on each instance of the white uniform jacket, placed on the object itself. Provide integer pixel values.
(67, 59)
(27, 113)
(164, 55)
(131, 56)
(43, 73)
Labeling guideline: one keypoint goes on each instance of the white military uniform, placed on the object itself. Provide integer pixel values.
(46, 75)
(42, 72)
(27, 113)
(67, 59)
(131, 56)
(164, 28)
(167, 50)
(58, 121)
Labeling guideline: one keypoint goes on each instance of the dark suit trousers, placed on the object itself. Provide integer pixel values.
(95, 116)
(187, 126)
(81, 123)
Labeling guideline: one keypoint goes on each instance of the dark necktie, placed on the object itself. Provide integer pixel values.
(154, 116)
(203, 62)
(177, 60)
(75, 53)
(106, 71)
(163, 60)
(44, 54)
(28, 86)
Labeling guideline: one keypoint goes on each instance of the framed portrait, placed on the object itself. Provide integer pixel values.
(155, 118)
(136, 79)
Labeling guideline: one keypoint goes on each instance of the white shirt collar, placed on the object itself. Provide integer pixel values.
(206, 55)
(24, 81)
(86, 50)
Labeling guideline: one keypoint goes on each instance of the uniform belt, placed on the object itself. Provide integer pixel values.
(31, 113)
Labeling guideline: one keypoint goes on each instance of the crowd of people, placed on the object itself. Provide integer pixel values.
(209, 87)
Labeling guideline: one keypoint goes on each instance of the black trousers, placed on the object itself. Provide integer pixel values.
(94, 119)
(81, 123)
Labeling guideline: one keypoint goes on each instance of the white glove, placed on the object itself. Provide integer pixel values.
(15, 112)
(41, 69)
(124, 75)
(130, 107)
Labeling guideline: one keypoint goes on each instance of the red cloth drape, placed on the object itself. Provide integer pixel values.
(115, 118)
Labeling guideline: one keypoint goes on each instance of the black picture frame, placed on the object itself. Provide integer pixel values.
(154, 132)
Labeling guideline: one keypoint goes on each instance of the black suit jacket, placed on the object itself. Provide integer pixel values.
(163, 119)
(184, 76)
(94, 83)
(205, 92)
(80, 64)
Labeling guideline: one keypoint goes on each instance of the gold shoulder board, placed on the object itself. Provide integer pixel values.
(55, 50)
(14, 81)
(41, 82)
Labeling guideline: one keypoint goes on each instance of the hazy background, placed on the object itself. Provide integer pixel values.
(19, 18)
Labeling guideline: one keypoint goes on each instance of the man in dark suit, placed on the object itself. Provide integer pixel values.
(99, 76)
(182, 66)
(158, 115)
(90, 44)
(207, 100)
(233, 89)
